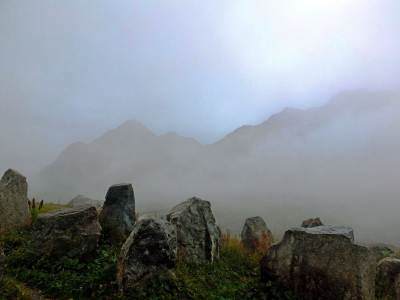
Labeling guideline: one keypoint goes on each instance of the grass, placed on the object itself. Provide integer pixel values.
(234, 276)
(48, 207)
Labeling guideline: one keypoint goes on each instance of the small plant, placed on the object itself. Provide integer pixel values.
(34, 209)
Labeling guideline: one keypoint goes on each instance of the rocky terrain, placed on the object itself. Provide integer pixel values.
(84, 252)
(333, 161)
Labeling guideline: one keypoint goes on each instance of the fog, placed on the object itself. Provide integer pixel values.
(71, 70)
(206, 84)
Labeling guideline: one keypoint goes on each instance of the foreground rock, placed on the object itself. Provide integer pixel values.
(321, 263)
(310, 223)
(118, 214)
(2, 263)
(256, 236)
(388, 279)
(72, 232)
(198, 234)
(83, 200)
(150, 253)
(14, 211)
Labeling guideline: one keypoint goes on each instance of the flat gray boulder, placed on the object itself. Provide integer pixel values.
(83, 200)
(14, 210)
(198, 234)
(117, 217)
(256, 236)
(313, 222)
(321, 263)
(388, 279)
(149, 253)
(72, 232)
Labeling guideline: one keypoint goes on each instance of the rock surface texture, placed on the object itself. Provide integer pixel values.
(388, 279)
(150, 253)
(72, 232)
(2, 262)
(83, 200)
(256, 236)
(197, 232)
(117, 217)
(322, 263)
(14, 211)
(310, 223)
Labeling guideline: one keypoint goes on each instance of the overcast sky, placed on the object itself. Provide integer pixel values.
(71, 69)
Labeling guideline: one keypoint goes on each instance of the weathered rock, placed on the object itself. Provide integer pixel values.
(83, 200)
(117, 217)
(14, 211)
(2, 262)
(256, 236)
(388, 279)
(310, 223)
(72, 232)
(149, 253)
(321, 263)
(197, 232)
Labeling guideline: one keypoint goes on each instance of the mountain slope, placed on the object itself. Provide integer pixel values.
(339, 161)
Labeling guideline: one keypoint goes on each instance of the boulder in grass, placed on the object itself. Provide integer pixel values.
(313, 222)
(117, 217)
(150, 253)
(14, 211)
(256, 236)
(322, 263)
(198, 235)
(72, 232)
(83, 200)
(388, 279)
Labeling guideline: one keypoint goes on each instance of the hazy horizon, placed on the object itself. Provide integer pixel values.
(72, 70)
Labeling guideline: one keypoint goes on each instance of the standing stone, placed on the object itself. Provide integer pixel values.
(388, 279)
(310, 223)
(322, 263)
(197, 232)
(117, 217)
(150, 253)
(14, 210)
(256, 236)
(72, 232)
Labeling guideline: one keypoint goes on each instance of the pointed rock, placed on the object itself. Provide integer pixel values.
(148, 254)
(198, 234)
(117, 217)
(256, 236)
(14, 211)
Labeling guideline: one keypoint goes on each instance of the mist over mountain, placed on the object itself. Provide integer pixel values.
(339, 162)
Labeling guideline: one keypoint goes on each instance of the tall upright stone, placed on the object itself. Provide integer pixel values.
(14, 210)
(197, 232)
(117, 217)
(322, 263)
(256, 237)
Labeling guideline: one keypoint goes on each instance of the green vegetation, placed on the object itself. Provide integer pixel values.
(234, 276)
(48, 207)
(34, 209)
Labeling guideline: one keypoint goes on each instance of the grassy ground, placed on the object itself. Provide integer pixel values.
(234, 276)
(48, 207)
